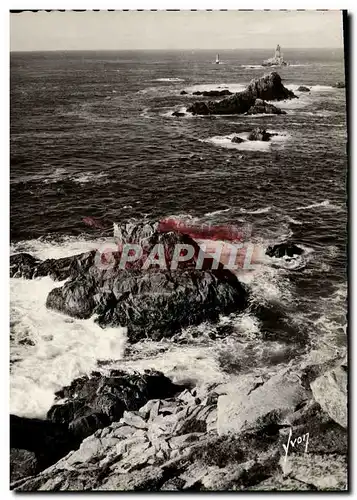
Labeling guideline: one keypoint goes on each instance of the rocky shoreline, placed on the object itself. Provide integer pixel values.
(226, 437)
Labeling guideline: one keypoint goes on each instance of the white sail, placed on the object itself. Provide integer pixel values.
(217, 59)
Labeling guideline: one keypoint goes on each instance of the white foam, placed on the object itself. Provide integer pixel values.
(225, 141)
(322, 204)
(92, 177)
(252, 66)
(217, 212)
(63, 349)
(232, 87)
(258, 211)
(169, 80)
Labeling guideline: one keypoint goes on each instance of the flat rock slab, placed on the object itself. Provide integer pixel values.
(330, 391)
(268, 403)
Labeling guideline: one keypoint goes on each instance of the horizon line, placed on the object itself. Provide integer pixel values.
(172, 50)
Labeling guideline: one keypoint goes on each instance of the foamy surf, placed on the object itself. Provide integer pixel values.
(49, 349)
(322, 204)
(225, 141)
(206, 87)
(169, 79)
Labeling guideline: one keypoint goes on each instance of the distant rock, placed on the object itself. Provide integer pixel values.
(178, 114)
(259, 134)
(183, 92)
(302, 88)
(237, 139)
(280, 250)
(269, 87)
(262, 107)
(213, 93)
(340, 85)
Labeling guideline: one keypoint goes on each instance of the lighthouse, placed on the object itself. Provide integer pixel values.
(277, 52)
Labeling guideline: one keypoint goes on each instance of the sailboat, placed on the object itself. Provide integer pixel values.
(217, 59)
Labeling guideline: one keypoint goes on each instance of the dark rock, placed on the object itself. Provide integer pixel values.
(93, 403)
(151, 302)
(48, 441)
(24, 265)
(23, 463)
(340, 85)
(259, 134)
(178, 114)
(280, 250)
(237, 139)
(269, 88)
(262, 107)
(183, 92)
(216, 93)
(302, 88)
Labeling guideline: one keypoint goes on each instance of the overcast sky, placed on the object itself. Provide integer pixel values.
(174, 30)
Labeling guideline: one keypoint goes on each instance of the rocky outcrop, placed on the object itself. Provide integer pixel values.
(90, 403)
(302, 88)
(230, 437)
(262, 107)
(236, 139)
(267, 88)
(288, 249)
(213, 93)
(24, 265)
(330, 391)
(152, 302)
(259, 134)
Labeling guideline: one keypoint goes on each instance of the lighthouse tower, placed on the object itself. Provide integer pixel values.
(277, 52)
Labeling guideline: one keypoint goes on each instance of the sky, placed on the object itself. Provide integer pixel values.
(215, 30)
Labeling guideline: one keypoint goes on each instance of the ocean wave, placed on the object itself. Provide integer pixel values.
(257, 211)
(217, 212)
(322, 204)
(169, 79)
(93, 177)
(49, 349)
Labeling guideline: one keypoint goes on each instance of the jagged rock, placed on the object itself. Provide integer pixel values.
(340, 85)
(213, 93)
(262, 107)
(330, 391)
(259, 134)
(23, 463)
(24, 265)
(237, 139)
(150, 302)
(268, 88)
(264, 406)
(302, 88)
(281, 249)
(92, 403)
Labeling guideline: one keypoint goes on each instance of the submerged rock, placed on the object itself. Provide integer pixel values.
(268, 88)
(302, 88)
(178, 114)
(280, 250)
(183, 92)
(213, 93)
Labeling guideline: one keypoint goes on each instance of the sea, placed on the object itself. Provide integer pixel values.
(93, 138)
